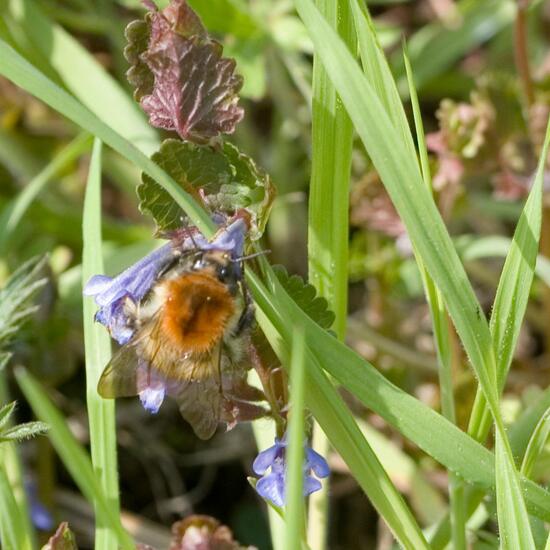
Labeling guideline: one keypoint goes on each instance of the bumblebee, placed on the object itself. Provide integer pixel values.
(187, 338)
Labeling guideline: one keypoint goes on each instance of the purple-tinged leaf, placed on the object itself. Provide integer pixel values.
(138, 75)
(182, 81)
(203, 532)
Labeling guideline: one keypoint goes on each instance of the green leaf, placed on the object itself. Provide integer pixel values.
(513, 290)
(97, 345)
(399, 171)
(295, 502)
(305, 296)
(227, 16)
(442, 330)
(536, 444)
(222, 180)
(331, 136)
(139, 75)
(16, 298)
(328, 219)
(251, 189)
(398, 168)
(24, 431)
(83, 75)
(441, 439)
(193, 167)
(14, 211)
(336, 420)
(377, 71)
(513, 521)
(73, 456)
(12, 526)
(23, 74)
(5, 412)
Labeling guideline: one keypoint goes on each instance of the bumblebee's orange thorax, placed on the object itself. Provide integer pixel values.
(196, 311)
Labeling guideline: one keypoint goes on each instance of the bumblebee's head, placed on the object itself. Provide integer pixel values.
(219, 264)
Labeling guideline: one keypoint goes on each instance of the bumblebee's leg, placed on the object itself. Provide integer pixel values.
(247, 316)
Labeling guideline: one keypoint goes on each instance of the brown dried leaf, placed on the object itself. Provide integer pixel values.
(63, 539)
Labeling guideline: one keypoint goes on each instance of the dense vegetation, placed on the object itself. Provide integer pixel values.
(378, 181)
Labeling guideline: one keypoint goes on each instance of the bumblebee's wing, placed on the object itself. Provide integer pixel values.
(199, 396)
(119, 379)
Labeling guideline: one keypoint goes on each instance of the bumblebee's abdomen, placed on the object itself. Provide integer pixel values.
(196, 312)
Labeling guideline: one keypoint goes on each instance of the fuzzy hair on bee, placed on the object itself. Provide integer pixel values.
(188, 330)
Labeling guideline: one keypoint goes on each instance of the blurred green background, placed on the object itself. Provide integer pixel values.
(485, 121)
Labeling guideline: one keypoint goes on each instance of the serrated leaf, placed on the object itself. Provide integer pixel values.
(138, 34)
(199, 531)
(20, 289)
(305, 297)
(63, 539)
(24, 431)
(139, 76)
(251, 189)
(5, 412)
(182, 81)
(222, 181)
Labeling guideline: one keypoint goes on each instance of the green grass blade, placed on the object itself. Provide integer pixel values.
(430, 431)
(97, 345)
(513, 521)
(264, 436)
(400, 174)
(342, 430)
(513, 291)
(14, 211)
(83, 76)
(14, 67)
(536, 444)
(442, 332)
(73, 456)
(5, 413)
(328, 227)
(12, 526)
(330, 180)
(378, 72)
(295, 509)
(17, 69)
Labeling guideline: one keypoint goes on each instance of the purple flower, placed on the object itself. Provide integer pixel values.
(272, 486)
(112, 294)
(40, 516)
(152, 388)
(115, 295)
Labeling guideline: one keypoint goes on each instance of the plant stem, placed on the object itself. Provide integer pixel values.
(447, 353)
(520, 51)
(13, 470)
(97, 345)
(332, 133)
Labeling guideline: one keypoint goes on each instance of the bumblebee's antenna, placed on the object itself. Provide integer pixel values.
(250, 256)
